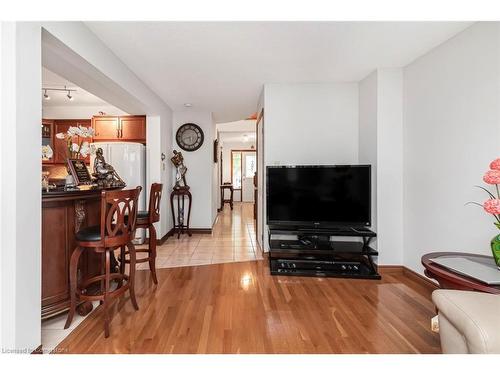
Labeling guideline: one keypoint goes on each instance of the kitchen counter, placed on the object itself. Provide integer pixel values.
(63, 214)
(60, 193)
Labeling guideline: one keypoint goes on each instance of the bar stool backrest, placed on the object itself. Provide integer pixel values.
(154, 202)
(118, 216)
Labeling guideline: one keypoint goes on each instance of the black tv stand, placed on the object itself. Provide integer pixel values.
(298, 251)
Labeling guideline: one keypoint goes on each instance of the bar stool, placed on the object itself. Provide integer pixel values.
(145, 220)
(116, 230)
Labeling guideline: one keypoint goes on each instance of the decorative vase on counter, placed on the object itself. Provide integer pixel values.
(69, 181)
(495, 249)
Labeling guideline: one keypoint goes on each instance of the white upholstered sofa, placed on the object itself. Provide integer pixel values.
(469, 322)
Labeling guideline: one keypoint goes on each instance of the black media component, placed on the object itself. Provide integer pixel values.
(308, 208)
(319, 196)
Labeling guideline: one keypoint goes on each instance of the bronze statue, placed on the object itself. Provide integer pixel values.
(104, 173)
(181, 169)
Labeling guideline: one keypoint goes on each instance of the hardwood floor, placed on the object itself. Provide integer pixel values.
(240, 308)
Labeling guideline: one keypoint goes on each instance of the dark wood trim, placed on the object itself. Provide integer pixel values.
(259, 116)
(405, 271)
(192, 230)
(38, 350)
(201, 230)
(391, 270)
(162, 240)
(421, 279)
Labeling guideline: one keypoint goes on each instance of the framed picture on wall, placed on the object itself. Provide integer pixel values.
(216, 149)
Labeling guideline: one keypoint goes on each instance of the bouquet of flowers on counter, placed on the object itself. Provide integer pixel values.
(77, 146)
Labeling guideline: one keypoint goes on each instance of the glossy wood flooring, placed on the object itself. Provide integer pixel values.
(240, 308)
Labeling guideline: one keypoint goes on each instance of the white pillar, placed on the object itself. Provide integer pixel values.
(20, 197)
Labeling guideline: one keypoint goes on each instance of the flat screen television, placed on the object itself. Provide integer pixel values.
(326, 196)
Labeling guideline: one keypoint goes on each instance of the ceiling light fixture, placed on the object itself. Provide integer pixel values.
(245, 138)
(188, 105)
(65, 89)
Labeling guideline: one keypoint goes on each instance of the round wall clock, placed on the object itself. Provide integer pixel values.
(189, 137)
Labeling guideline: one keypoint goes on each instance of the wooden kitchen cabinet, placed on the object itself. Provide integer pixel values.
(105, 128)
(60, 146)
(48, 138)
(119, 128)
(133, 128)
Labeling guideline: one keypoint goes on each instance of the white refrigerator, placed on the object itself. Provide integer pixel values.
(129, 161)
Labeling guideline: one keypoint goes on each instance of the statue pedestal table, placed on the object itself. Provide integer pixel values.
(179, 215)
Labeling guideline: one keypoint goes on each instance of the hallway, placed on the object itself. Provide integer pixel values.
(232, 240)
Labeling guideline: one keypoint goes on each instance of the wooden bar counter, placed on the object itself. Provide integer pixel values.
(63, 214)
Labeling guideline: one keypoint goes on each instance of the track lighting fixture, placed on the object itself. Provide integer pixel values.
(65, 89)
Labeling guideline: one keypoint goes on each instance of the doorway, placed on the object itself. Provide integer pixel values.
(243, 169)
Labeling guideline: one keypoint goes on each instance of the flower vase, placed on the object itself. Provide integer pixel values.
(495, 249)
(69, 180)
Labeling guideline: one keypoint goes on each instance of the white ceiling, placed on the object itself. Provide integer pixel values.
(233, 137)
(58, 98)
(222, 66)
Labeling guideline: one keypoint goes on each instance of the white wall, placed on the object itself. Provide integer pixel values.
(20, 201)
(380, 144)
(390, 166)
(368, 115)
(261, 180)
(451, 133)
(215, 175)
(310, 124)
(79, 112)
(200, 175)
(157, 169)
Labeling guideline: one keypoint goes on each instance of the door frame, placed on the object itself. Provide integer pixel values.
(241, 168)
(259, 142)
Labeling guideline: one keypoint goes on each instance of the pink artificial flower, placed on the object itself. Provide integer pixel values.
(492, 177)
(492, 206)
(495, 164)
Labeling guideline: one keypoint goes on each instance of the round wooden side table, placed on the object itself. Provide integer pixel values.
(448, 279)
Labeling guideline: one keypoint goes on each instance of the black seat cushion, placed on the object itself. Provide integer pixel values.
(92, 233)
(142, 214)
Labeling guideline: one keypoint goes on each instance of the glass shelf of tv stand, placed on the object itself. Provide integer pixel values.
(341, 231)
(322, 248)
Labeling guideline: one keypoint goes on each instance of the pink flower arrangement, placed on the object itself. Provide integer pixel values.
(492, 206)
(495, 165)
(492, 177)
